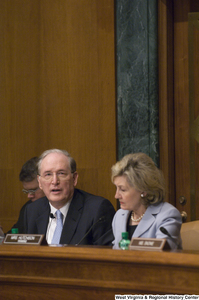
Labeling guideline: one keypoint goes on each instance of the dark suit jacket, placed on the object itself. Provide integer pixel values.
(20, 222)
(85, 209)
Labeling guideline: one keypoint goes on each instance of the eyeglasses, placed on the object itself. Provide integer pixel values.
(32, 192)
(60, 175)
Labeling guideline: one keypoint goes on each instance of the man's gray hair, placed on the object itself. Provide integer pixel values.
(72, 162)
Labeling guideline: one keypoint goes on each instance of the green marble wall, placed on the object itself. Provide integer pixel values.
(137, 77)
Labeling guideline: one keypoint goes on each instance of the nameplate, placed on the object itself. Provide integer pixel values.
(150, 244)
(25, 239)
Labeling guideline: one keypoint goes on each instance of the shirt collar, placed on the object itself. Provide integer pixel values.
(63, 209)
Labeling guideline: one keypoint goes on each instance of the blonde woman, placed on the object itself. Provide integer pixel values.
(140, 189)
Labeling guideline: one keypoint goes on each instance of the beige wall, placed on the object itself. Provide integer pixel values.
(57, 89)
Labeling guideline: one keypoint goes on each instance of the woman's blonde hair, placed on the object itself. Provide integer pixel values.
(142, 174)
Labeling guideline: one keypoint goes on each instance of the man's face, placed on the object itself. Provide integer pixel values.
(56, 179)
(32, 189)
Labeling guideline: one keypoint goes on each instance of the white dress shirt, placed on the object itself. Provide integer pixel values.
(52, 223)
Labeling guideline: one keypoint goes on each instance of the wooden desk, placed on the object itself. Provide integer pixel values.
(41, 272)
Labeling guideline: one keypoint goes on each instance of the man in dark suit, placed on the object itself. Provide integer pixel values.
(28, 177)
(84, 218)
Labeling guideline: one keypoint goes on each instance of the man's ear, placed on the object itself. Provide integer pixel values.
(75, 178)
(38, 179)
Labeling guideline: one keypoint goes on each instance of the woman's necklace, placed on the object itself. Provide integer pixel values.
(136, 220)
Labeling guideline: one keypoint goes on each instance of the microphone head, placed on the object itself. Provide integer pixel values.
(52, 216)
(163, 230)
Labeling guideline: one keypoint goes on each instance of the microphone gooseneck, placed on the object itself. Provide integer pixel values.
(165, 231)
(101, 219)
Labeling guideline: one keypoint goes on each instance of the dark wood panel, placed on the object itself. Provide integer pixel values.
(174, 84)
(194, 111)
(166, 97)
(181, 100)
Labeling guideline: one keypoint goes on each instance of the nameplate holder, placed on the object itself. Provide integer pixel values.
(25, 239)
(149, 244)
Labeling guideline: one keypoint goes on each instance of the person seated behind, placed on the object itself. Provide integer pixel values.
(80, 217)
(140, 189)
(28, 177)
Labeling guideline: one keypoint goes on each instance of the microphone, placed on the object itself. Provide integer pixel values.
(164, 230)
(101, 219)
(52, 216)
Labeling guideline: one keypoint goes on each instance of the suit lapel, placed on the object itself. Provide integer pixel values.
(148, 220)
(124, 218)
(42, 220)
(72, 218)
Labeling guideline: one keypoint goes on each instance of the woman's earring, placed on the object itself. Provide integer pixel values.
(142, 195)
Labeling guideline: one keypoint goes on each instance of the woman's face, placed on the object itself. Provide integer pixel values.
(129, 198)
